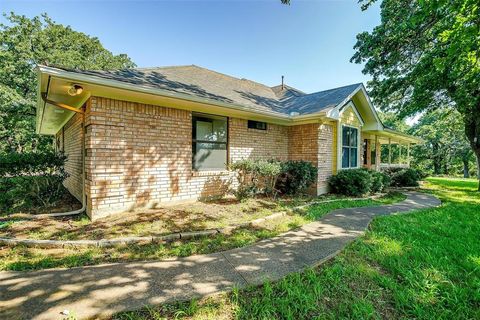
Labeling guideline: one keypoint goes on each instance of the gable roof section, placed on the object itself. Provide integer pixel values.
(207, 84)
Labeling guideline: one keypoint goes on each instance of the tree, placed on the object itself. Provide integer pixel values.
(446, 149)
(25, 43)
(424, 55)
(391, 120)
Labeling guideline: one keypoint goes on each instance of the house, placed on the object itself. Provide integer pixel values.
(140, 137)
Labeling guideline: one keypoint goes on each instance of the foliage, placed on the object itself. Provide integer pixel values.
(352, 182)
(271, 177)
(256, 176)
(296, 177)
(422, 265)
(19, 164)
(403, 177)
(30, 179)
(380, 181)
(446, 149)
(425, 55)
(393, 121)
(25, 43)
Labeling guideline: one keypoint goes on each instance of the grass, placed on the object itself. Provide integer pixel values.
(422, 265)
(22, 258)
(155, 221)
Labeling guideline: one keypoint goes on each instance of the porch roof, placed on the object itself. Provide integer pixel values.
(388, 135)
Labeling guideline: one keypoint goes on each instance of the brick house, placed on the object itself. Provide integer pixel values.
(140, 137)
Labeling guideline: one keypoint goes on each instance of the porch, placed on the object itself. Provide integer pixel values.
(386, 149)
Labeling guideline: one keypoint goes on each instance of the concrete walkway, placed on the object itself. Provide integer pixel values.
(109, 288)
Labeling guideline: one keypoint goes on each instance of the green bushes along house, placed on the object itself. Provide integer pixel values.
(30, 180)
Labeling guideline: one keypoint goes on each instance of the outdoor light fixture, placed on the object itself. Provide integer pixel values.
(75, 89)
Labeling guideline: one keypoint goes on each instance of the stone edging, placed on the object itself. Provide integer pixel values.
(104, 243)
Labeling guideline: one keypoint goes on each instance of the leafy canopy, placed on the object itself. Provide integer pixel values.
(25, 43)
(446, 149)
(425, 55)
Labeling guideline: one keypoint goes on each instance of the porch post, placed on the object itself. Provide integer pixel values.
(389, 152)
(368, 153)
(378, 153)
(399, 153)
(408, 154)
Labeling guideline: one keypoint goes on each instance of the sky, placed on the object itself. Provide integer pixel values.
(309, 42)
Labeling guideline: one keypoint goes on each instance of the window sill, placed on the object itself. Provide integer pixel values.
(208, 173)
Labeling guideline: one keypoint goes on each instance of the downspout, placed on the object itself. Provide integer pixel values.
(84, 196)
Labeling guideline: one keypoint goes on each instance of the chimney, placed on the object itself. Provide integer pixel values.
(283, 86)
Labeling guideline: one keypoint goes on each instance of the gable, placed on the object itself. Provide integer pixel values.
(361, 103)
(350, 116)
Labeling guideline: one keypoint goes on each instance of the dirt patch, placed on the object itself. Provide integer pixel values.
(150, 222)
(65, 204)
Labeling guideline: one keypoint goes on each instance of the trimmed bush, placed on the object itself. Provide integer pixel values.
(296, 177)
(404, 177)
(352, 182)
(380, 181)
(256, 177)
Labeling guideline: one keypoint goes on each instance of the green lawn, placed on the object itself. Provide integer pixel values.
(21, 258)
(423, 265)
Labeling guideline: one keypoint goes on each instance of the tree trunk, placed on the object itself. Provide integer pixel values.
(472, 131)
(477, 154)
(466, 169)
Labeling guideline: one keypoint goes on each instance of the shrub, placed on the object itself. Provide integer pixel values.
(30, 179)
(33, 163)
(403, 177)
(256, 176)
(353, 182)
(380, 181)
(296, 177)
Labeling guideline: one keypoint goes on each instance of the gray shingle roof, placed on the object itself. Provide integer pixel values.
(204, 83)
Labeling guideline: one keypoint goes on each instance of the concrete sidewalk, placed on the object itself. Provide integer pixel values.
(109, 288)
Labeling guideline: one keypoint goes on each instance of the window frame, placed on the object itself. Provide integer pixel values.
(209, 118)
(350, 147)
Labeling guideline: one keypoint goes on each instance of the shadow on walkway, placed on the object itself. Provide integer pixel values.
(106, 289)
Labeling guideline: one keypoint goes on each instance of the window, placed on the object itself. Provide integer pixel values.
(257, 125)
(349, 147)
(209, 142)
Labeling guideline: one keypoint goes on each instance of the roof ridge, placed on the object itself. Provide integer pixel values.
(232, 77)
(164, 67)
(289, 87)
(349, 85)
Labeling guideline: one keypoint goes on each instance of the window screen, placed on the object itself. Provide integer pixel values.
(349, 147)
(209, 142)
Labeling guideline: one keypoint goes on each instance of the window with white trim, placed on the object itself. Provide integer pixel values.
(349, 147)
(209, 142)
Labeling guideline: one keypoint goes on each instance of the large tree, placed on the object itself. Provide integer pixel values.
(446, 149)
(423, 55)
(25, 43)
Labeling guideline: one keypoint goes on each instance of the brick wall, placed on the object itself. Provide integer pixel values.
(141, 155)
(303, 142)
(69, 140)
(248, 143)
(326, 151)
(314, 143)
